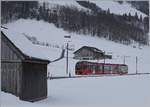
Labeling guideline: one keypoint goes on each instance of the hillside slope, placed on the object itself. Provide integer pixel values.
(117, 8)
(72, 17)
(68, 3)
(48, 33)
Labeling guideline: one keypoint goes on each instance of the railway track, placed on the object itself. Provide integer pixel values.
(102, 75)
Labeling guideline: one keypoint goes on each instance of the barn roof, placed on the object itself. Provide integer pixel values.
(30, 50)
(93, 49)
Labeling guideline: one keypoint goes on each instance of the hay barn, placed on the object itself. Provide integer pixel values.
(23, 67)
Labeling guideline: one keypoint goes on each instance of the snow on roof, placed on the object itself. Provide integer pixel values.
(43, 31)
(30, 49)
(94, 49)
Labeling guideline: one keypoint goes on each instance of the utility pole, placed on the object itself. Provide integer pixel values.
(67, 47)
(104, 57)
(67, 59)
(136, 64)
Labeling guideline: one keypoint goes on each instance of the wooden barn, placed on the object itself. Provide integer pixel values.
(23, 71)
(90, 53)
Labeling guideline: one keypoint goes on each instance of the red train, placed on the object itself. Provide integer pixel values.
(88, 68)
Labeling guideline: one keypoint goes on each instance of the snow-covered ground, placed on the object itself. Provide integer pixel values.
(125, 91)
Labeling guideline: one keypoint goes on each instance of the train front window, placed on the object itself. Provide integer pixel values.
(81, 67)
(78, 67)
(86, 67)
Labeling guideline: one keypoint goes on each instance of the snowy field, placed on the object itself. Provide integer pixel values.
(120, 91)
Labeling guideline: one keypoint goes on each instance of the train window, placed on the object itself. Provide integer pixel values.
(99, 67)
(84, 67)
(115, 68)
(107, 67)
(91, 67)
(96, 68)
(87, 66)
(123, 68)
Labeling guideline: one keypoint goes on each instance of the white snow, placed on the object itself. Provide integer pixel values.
(123, 91)
(117, 8)
(68, 3)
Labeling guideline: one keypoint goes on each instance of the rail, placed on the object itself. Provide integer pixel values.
(102, 75)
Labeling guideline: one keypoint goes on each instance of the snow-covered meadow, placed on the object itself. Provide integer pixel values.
(123, 91)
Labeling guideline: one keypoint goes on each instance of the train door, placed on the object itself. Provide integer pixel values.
(115, 69)
(93, 69)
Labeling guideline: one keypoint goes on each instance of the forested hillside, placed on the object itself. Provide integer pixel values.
(94, 21)
(141, 5)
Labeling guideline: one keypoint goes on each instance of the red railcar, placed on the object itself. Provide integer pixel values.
(88, 68)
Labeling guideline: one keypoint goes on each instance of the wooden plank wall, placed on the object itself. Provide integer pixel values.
(11, 68)
(11, 77)
(34, 81)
